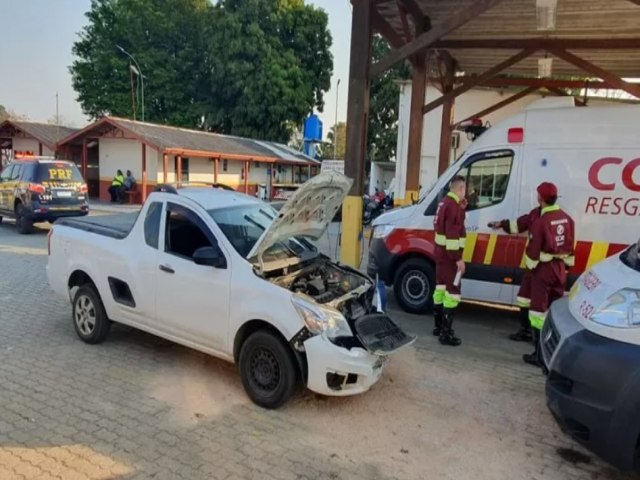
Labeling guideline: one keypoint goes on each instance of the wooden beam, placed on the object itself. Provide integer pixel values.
(538, 82)
(216, 168)
(408, 36)
(381, 26)
(589, 67)
(479, 80)
(246, 177)
(416, 124)
(503, 103)
(414, 9)
(543, 43)
(179, 170)
(453, 22)
(84, 159)
(444, 157)
(165, 167)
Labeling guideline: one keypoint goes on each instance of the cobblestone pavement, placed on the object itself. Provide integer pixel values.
(137, 407)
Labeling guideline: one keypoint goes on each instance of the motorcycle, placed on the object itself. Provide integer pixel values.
(375, 205)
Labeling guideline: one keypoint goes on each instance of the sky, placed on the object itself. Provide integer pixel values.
(42, 32)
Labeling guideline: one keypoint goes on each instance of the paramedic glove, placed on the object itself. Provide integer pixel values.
(461, 266)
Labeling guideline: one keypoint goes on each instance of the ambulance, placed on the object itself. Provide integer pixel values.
(592, 154)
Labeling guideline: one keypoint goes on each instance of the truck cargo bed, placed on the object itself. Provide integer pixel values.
(114, 226)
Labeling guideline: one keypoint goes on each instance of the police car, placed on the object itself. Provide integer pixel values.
(41, 189)
(591, 347)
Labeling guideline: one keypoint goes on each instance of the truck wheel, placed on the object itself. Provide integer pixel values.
(89, 318)
(24, 225)
(267, 370)
(413, 285)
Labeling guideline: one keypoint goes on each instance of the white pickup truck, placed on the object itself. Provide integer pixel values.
(226, 274)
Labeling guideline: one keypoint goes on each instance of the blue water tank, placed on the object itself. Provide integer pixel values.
(312, 130)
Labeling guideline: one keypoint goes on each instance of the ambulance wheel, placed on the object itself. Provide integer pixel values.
(413, 285)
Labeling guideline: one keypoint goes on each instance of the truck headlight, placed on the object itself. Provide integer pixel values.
(320, 319)
(381, 231)
(620, 310)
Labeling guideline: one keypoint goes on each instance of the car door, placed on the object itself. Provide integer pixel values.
(192, 300)
(5, 178)
(492, 257)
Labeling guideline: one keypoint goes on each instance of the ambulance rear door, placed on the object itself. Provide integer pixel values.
(493, 177)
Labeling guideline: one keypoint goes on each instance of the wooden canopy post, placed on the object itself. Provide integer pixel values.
(40, 149)
(179, 170)
(216, 167)
(165, 167)
(246, 177)
(144, 172)
(357, 121)
(84, 159)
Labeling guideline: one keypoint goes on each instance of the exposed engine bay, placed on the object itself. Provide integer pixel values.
(337, 286)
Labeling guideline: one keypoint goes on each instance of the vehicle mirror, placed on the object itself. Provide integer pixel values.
(209, 256)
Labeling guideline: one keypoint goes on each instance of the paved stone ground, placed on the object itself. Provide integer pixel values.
(137, 407)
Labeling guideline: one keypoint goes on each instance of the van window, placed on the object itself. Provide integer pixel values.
(487, 177)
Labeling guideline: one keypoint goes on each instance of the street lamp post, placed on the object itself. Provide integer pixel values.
(138, 72)
(335, 128)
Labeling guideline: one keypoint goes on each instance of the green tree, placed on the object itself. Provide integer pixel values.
(384, 105)
(270, 64)
(337, 143)
(168, 38)
(4, 115)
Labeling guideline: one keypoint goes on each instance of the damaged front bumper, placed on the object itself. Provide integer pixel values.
(339, 370)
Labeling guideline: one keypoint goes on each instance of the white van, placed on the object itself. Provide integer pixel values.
(591, 153)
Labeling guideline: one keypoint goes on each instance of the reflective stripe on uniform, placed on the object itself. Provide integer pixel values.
(441, 239)
(530, 263)
(537, 319)
(453, 244)
(513, 226)
(451, 300)
(523, 302)
(569, 260)
(438, 294)
(462, 242)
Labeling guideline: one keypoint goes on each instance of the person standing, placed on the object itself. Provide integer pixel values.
(549, 253)
(450, 238)
(116, 186)
(521, 225)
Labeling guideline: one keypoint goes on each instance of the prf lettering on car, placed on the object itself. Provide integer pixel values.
(60, 174)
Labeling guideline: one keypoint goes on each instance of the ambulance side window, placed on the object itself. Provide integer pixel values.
(487, 177)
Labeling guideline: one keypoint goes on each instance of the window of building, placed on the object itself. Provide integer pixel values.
(225, 165)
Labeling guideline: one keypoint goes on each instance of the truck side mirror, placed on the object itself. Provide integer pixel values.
(210, 257)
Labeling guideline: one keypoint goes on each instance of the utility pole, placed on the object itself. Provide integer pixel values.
(335, 123)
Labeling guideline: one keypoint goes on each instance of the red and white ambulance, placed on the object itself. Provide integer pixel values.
(591, 153)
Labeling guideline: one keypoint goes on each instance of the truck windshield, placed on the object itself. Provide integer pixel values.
(631, 257)
(243, 226)
(58, 173)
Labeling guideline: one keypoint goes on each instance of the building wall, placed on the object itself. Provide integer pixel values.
(123, 154)
(30, 144)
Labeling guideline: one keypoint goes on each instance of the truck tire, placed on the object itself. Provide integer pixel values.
(24, 225)
(267, 369)
(413, 285)
(89, 318)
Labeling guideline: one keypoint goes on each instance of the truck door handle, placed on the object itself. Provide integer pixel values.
(167, 269)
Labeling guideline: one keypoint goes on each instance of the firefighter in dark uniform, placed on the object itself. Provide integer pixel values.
(548, 255)
(521, 225)
(450, 238)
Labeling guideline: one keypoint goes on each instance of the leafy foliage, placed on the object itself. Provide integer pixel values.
(245, 67)
(336, 141)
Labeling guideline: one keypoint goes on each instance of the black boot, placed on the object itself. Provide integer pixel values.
(534, 358)
(524, 334)
(438, 315)
(447, 336)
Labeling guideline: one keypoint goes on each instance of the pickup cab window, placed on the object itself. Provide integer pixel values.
(185, 232)
(152, 224)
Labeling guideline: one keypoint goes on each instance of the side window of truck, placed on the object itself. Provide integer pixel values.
(185, 232)
(152, 224)
(487, 175)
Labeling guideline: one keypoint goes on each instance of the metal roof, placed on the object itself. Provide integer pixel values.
(614, 24)
(45, 133)
(195, 142)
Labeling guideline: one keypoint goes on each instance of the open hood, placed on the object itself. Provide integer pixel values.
(307, 213)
